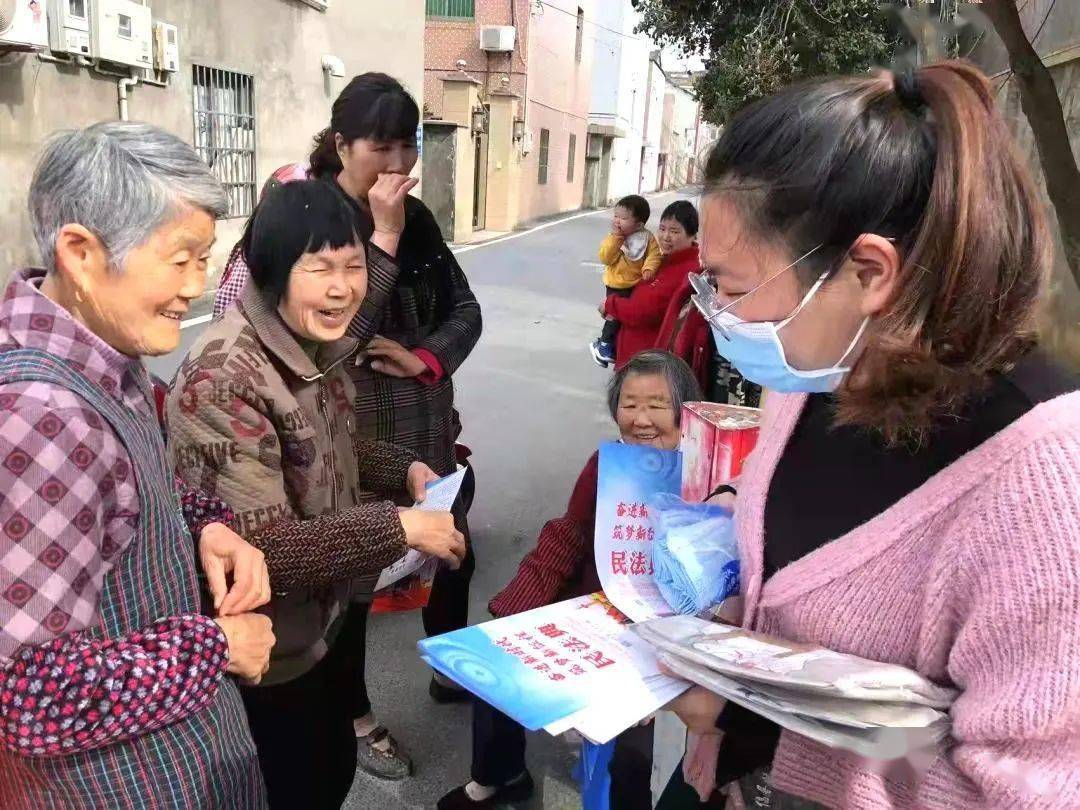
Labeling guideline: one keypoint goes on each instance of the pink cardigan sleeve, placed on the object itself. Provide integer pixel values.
(1015, 649)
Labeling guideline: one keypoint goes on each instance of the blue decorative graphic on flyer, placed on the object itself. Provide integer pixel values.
(543, 665)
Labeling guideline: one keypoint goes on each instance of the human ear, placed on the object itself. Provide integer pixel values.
(81, 258)
(875, 263)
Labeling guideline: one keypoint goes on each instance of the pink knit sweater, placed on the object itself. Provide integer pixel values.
(973, 580)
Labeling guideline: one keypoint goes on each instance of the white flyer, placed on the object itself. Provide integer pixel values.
(614, 711)
(545, 664)
(440, 497)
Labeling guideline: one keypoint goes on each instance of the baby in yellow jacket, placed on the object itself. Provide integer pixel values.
(630, 254)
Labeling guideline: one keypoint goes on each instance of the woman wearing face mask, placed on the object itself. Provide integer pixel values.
(425, 320)
(261, 415)
(878, 251)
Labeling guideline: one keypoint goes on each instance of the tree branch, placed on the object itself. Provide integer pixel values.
(1042, 108)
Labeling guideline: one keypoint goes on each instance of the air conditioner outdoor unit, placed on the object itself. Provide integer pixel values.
(497, 38)
(166, 47)
(122, 32)
(69, 26)
(23, 25)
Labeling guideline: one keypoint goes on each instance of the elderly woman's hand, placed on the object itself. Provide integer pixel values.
(251, 638)
(393, 359)
(433, 533)
(222, 551)
(419, 476)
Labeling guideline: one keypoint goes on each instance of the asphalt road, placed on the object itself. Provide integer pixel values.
(532, 406)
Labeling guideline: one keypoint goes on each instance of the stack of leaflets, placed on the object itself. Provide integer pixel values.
(572, 665)
(876, 710)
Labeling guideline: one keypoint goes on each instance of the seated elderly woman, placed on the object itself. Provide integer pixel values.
(261, 415)
(645, 397)
(97, 568)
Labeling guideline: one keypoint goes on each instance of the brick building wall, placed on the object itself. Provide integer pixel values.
(448, 40)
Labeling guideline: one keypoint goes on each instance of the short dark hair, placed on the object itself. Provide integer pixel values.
(294, 219)
(683, 212)
(636, 205)
(373, 106)
(682, 383)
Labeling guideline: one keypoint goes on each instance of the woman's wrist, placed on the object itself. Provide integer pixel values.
(386, 240)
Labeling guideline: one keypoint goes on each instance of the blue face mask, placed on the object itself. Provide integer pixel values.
(755, 349)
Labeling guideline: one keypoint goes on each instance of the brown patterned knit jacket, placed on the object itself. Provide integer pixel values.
(255, 421)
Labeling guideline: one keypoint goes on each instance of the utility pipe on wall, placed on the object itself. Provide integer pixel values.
(122, 95)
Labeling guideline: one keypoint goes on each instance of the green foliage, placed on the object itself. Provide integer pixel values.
(753, 47)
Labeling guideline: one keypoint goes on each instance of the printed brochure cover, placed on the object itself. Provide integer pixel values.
(629, 476)
(541, 666)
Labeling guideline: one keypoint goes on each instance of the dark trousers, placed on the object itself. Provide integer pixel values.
(351, 646)
(447, 609)
(499, 756)
(498, 745)
(611, 328)
(448, 606)
(631, 769)
(303, 729)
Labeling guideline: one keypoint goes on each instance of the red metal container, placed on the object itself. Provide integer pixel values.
(716, 439)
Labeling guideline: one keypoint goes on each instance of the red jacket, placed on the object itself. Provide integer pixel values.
(642, 313)
(687, 336)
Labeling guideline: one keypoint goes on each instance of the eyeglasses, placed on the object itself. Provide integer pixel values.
(708, 303)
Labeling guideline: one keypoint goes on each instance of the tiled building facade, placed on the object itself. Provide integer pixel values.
(529, 160)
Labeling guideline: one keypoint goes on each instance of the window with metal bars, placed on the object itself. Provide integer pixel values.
(224, 104)
(454, 9)
(545, 139)
(570, 159)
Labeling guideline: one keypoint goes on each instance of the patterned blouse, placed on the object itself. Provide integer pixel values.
(69, 509)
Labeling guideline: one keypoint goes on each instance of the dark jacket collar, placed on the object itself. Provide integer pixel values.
(280, 342)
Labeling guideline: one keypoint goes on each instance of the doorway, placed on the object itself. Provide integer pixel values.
(439, 158)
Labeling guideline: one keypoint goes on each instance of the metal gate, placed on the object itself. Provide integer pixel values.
(439, 162)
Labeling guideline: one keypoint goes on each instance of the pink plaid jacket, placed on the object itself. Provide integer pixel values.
(70, 507)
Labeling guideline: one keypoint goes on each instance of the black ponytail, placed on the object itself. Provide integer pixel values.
(324, 159)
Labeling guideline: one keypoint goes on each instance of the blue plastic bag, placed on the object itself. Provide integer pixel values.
(593, 775)
(695, 556)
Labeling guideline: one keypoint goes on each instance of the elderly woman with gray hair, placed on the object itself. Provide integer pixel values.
(112, 685)
(645, 398)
